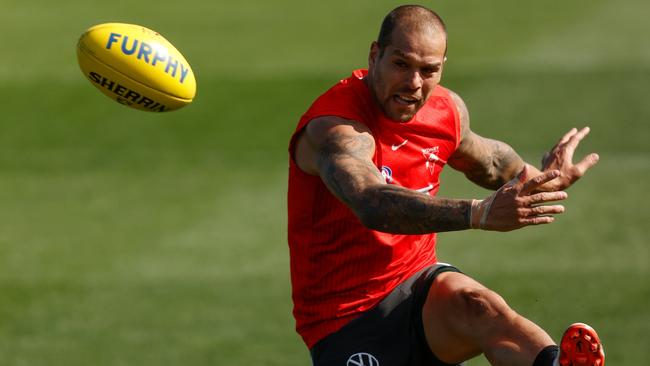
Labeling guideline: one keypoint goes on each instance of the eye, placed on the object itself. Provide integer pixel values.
(429, 71)
(401, 64)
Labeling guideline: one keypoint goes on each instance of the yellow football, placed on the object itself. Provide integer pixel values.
(136, 66)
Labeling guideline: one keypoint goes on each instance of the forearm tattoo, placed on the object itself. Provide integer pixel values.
(395, 209)
(505, 162)
(355, 180)
(488, 163)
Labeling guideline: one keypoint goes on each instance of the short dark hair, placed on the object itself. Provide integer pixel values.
(410, 16)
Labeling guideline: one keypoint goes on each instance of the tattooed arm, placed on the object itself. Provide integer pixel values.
(341, 151)
(486, 162)
(491, 163)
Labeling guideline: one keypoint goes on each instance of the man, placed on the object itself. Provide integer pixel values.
(365, 162)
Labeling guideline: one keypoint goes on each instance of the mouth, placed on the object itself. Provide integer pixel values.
(406, 100)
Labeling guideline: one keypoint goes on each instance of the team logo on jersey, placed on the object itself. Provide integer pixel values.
(431, 157)
(387, 173)
(362, 359)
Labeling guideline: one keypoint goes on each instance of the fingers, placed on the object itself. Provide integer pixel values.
(539, 220)
(504, 212)
(561, 157)
(574, 135)
(567, 136)
(538, 181)
(541, 215)
(574, 140)
(544, 210)
(544, 197)
(581, 134)
(586, 163)
(537, 215)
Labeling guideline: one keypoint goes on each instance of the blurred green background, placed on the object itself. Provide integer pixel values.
(129, 238)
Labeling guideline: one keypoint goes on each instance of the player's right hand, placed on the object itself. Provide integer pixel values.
(513, 206)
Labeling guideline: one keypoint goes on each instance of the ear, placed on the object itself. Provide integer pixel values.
(373, 54)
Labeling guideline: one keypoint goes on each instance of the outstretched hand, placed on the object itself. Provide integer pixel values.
(560, 158)
(513, 206)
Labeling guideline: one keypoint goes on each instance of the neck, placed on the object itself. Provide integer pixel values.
(369, 81)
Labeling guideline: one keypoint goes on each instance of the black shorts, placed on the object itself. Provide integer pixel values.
(389, 334)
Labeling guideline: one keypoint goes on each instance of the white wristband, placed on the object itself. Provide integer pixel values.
(485, 210)
(475, 214)
(479, 212)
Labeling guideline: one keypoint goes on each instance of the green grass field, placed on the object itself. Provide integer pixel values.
(129, 238)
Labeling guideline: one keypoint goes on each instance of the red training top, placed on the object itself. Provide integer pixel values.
(340, 268)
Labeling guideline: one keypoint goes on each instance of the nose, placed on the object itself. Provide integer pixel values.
(414, 80)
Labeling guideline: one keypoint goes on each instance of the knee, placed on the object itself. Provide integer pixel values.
(480, 304)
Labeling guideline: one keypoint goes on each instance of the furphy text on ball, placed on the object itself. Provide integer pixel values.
(149, 54)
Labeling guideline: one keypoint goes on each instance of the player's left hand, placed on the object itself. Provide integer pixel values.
(560, 157)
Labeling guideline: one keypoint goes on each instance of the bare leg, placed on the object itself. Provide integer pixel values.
(463, 319)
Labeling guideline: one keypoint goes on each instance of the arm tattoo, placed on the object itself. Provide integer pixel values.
(399, 210)
(486, 162)
(506, 163)
(355, 180)
(343, 166)
(497, 163)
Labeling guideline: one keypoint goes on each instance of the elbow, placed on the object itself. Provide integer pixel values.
(369, 208)
(372, 218)
(371, 213)
(493, 176)
(488, 180)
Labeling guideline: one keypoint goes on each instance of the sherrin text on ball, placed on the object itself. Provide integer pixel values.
(136, 66)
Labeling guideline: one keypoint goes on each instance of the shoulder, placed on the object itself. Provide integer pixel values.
(328, 136)
(325, 130)
(461, 109)
(341, 110)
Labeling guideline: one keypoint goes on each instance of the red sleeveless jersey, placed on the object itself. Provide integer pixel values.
(340, 268)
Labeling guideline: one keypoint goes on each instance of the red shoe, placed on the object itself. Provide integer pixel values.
(580, 346)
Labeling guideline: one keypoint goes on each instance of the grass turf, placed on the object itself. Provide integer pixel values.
(133, 238)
